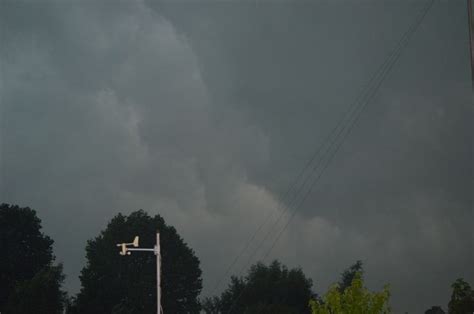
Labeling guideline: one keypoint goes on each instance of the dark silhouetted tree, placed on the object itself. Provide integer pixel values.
(266, 289)
(112, 283)
(211, 305)
(349, 274)
(26, 269)
(462, 298)
(40, 295)
(435, 310)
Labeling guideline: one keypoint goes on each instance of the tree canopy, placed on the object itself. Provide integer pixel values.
(266, 289)
(112, 283)
(40, 295)
(462, 298)
(29, 283)
(355, 299)
(349, 274)
(435, 310)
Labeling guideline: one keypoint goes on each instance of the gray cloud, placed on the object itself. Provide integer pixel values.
(203, 112)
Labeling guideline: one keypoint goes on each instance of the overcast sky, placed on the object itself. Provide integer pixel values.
(204, 111)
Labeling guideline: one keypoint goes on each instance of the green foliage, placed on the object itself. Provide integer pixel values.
(266, 289)
(355, 299)
(40, 295)
(112, 283)
(26, 263)
(462, 298)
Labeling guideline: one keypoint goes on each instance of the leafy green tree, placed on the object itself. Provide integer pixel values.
(266, 289)
(112, 283)
(26, 261)
(349, 274)
(462, 298)
(435, 310)
(355, 299)
(40, 295)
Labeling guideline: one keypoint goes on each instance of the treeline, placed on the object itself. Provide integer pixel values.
(31, 280)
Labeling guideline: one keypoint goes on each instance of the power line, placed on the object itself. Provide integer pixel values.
(293, 184)
(381, 74)
(356, 118)
(352, 111)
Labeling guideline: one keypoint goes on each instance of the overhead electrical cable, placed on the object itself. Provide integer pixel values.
(354, 115)
(356, 118)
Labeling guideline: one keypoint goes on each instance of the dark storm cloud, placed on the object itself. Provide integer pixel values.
(104, 110)
(400, 190)
(204, 111)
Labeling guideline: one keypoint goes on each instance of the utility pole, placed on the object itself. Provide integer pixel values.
(471, 38)
(158, 273)
(126, 250)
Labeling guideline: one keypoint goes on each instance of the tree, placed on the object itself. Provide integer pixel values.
(40, 295)
(266, 289)
(349, 274)
(462, 298)
(435, 310)
(211, 305)
(112, 283)
(27, 257)
(354, 299)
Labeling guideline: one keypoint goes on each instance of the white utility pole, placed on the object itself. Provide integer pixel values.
(128, 251)
(158, 273)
